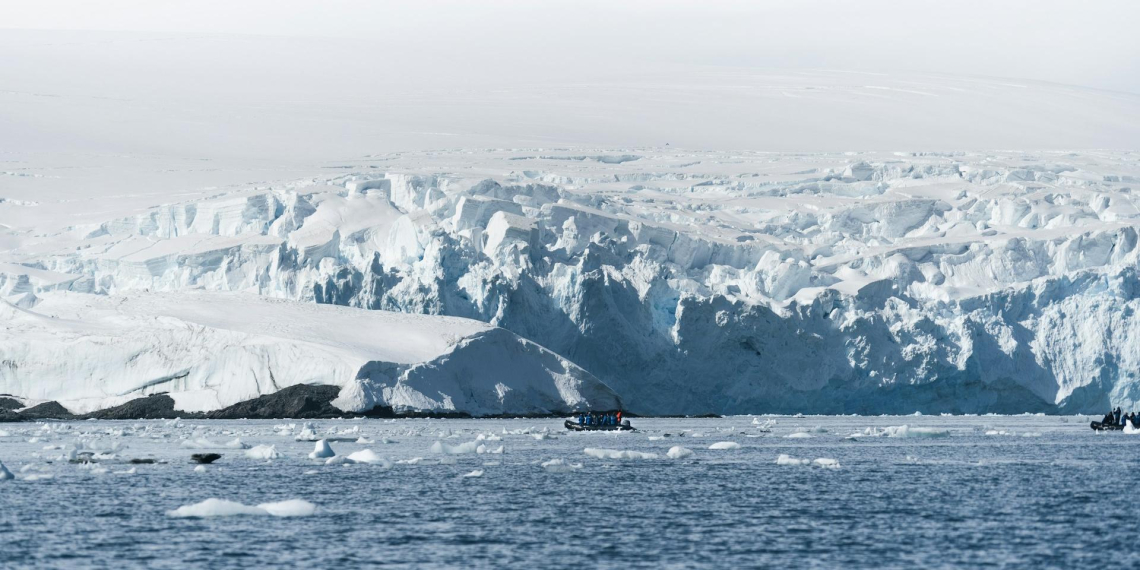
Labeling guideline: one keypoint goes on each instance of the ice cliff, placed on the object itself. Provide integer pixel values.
(211, 350)
(686, 282)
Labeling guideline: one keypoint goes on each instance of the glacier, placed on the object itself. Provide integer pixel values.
(686, 282)
(212, 350)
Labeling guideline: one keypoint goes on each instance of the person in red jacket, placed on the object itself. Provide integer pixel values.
(619, 417)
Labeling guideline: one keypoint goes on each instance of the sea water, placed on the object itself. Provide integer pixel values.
(815, 492)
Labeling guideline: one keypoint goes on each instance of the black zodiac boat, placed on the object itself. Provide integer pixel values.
(624, 426)
(1099, 426)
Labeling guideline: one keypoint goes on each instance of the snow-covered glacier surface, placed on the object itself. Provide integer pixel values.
(688, 282)
(211, 350)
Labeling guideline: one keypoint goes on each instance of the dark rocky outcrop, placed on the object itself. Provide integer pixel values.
(300, 402)
(157, 407)
(9, 404)
(303, 401)
(47, 411)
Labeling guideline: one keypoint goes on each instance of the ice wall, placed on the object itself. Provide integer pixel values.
(696, 282)
(210, 350)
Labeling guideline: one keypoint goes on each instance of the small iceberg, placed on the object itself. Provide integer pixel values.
(678, 452)
(825, 462)
(616, 454)
(560, 466)
(785, 459)
(264, 452)
(725, 445)
(223, 508)
(308, 433)
(369, 457)
(469, 447)
(322, 450)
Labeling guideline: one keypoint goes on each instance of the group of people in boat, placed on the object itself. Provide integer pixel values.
(599, 418)
(1117, 418)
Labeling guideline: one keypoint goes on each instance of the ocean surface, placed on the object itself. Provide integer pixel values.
(943, 492)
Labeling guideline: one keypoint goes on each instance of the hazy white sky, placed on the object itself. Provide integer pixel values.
(1091, 43)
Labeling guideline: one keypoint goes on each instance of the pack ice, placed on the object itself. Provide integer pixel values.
(688, 282)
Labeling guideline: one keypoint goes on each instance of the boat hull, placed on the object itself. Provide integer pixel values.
(579, 427)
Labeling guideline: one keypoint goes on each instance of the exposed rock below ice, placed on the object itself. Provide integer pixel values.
(159, 406)
(301, 402)
(45, 411)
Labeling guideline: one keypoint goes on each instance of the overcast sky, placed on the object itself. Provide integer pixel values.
(1089, 43)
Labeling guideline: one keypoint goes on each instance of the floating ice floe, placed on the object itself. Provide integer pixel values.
(799, 435)
(200, 469)
(203, 443)
(493, 451)
(223, 508)
(826, 463)
(370, 457)
(322, 450)
(469, 447)
(475, 473)
(678, 452)
(902, 431)
(725, 445)
(560, 466)
(785, 459)
(263, 452)
(616, 454)
(308, 433)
